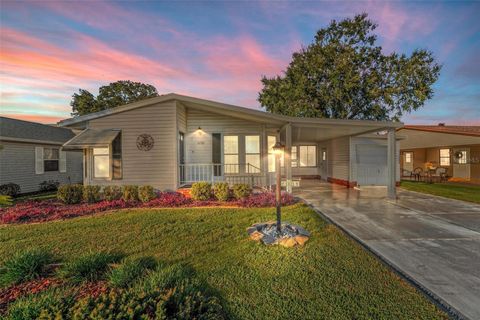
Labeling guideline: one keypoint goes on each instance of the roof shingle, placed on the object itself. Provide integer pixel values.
(19, 129)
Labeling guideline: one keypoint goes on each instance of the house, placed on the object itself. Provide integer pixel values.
(455, 148)
(30, 153)
(174, 140)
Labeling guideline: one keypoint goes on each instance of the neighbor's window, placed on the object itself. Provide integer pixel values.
(252, 153)
(230, 154)
(308, 156)
(294, 157)
(50, 159)
(101, 162)
(444, 157)
(117, 157)
(408, 157)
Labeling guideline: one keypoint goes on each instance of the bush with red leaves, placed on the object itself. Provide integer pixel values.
(265, 199)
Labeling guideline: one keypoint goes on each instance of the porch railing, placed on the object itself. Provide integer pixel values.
(231, 173)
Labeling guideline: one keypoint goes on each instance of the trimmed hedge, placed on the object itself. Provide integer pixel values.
(221, 191)
(201, 191)
(70, 193)
(91, 194)
(111, 193)
(241, 191)
(146, 193)
(130, 193)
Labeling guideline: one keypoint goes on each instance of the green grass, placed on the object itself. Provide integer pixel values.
(91, 266)
(129, 271)
(24, 266)
(469, 193)
(332, 277)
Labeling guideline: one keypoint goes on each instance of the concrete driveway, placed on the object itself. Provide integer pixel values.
(434, 241)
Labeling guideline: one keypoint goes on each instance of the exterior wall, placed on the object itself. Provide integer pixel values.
(156, 167)
(17, 165)
(423, 155)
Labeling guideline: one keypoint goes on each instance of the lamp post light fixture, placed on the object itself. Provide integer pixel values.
(278, 150)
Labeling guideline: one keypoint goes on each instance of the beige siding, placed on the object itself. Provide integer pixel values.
(338, 152)
(154, 167)
(199, 142)
(17, 165)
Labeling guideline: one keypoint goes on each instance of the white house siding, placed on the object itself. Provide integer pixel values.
(17, 165)
(355, 141)
(155, 167)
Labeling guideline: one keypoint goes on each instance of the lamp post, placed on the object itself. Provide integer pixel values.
(278, 150)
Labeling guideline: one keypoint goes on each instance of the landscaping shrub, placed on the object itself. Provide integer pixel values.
(165, 277)
(89, 267)
(169, 200)
(91, 194)
(201, 191)
(50, 185)
(130, 270)
(241, 190)
(50, 304)
(221, 191)
(265, 199)
(70, 193)
(130, 193)
(24, 266)
(146, 193)
(47, 210)
(5, 200)
(10, 189)
(112, 193)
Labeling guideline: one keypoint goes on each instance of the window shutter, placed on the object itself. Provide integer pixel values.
(63, 161)
(38, 160)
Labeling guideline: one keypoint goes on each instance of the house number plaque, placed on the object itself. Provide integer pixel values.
(145, 142)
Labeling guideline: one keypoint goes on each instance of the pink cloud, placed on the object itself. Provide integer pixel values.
(35, 118)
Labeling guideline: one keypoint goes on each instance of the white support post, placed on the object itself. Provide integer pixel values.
(391, 164)
(288, 158)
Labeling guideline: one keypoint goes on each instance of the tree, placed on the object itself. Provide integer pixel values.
(344, 75)
(113, 95)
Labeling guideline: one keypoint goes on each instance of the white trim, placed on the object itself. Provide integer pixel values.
(39, 166)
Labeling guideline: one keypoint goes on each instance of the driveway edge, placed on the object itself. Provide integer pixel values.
(439, 302)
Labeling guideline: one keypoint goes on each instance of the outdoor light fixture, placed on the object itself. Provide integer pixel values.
(278, 150)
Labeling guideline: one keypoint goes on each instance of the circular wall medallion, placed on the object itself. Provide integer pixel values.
(145, 142)
(458, 155)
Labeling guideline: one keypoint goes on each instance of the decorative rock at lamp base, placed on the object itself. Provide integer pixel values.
(290, 236)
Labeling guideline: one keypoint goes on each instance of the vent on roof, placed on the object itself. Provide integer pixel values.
(441, 124)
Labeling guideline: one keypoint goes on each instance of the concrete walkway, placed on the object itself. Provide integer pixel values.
(434, 241)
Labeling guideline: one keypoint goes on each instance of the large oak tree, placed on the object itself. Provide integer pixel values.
(343, 74)
(113, 95)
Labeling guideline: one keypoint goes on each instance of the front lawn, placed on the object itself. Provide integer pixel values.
(331, 277)
(463, 192)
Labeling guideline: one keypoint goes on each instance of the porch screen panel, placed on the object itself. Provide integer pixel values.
(230, 154)
(217, 153)
(252, 153)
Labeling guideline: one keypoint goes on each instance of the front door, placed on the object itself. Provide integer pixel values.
(324, 164)
(461, 163)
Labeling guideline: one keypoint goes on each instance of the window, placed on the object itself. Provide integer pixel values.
(252, 154)
(101, 160)
(308, 156)
(230, 153)
(294, 157)
(444, 157)
(408, 157)
(117, 157)
(50, 159)
(324, 155)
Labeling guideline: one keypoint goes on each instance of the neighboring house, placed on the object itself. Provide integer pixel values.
(456, 148)
(172, 140)
(30, 153)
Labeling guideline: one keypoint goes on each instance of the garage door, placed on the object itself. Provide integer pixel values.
(371, 165)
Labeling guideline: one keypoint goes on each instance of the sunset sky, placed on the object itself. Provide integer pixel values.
(215, 50)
